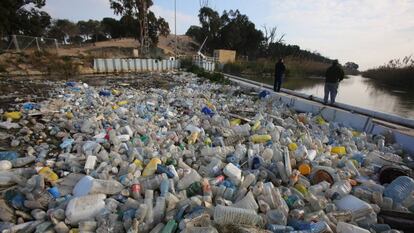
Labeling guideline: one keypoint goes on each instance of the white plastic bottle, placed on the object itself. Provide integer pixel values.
(86, 207)
(224, 215)
(319, 188)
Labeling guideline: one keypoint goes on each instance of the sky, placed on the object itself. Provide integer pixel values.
(368, 32)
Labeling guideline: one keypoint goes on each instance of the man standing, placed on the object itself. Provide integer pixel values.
(333, 75)
(279, 74)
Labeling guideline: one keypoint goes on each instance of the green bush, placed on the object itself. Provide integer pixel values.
(213, 77)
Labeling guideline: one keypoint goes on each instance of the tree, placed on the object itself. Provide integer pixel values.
(89, 29)
(23, 17)
(163, 27)
(112, 27)
(63, 29)
(134, 9)
(351, 66)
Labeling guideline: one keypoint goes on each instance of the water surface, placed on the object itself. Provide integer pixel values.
(357, 91)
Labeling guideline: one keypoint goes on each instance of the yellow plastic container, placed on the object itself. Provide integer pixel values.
(193, 138)
(151, 167)
(124, 102)
(69, 115)
(48, 174)
(13, 115)
(115, 92)
(115, 107)
(260, 138)
(138, 163)
(235, 121)
(320, 120)
(256, 126)
(292, 146)
(340, 150)
(208, 141)
(305, 169)
(301, 188)
(356, 133)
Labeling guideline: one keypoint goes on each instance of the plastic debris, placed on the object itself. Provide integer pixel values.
(198, 157)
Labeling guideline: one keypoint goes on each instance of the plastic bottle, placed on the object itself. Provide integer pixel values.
(400, 189)
(5, 165)
(340, 150)
(170, 227)
(343, 227)
(224, 215)
(286, 160)
(319, 188)
(190, 177)
(151, 182)
(159, 210)
(339, 189)
(89, 185)
(149, 196)
(351, 166)
(248, 202)
(21, 162)
(233, 172)
(260, 138)
(361, 211)
(48, 174)
(8, 155)
(279, 228)
(113, 137)
(86, 207)
(151, 167)
(276, 217)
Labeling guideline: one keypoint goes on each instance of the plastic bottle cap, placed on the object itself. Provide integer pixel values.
(305, 169)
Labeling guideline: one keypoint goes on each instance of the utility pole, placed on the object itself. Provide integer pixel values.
(175, 29)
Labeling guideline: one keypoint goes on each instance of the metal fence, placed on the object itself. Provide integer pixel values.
(112, 65)
(207, 63)
(21, 43)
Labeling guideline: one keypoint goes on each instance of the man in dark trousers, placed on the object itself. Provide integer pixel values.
(333, 75)
(279, 74)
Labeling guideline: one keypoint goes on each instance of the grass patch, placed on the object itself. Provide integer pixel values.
(214, 77)
(392, 76)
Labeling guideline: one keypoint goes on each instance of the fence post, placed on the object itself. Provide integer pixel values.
(57, 46)
(16, 44)
(37, 44)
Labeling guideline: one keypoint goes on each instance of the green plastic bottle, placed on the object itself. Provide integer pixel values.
(170, 227)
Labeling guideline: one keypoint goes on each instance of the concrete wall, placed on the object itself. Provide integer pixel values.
(112, 65)
(225, 56)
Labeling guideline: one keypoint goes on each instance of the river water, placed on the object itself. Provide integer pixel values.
(358, 91)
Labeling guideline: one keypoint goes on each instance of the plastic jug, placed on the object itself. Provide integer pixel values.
(151, 167)
(400, 189)
(340, 150)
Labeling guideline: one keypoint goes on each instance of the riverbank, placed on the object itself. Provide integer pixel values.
(295, 67)
(392, 76)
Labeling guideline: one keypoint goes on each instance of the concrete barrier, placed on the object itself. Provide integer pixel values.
(125, 65)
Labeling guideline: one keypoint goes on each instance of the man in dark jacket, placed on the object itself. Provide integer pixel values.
(279, 74)
(333, 75)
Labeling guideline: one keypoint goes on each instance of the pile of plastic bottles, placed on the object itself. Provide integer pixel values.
(200, 157)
